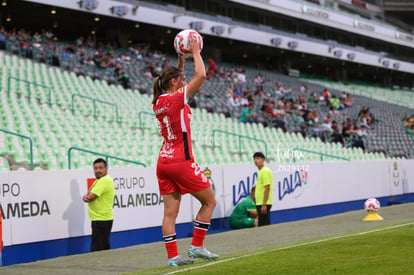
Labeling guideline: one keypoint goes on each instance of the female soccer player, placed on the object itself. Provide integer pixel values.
(177, 172)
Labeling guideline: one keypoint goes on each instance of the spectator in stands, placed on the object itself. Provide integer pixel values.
(126, 59)
(249, 115)
(90, 62)
(80, 41)
(409, 124)
(100, 199)
(3, 38)
(362, 131)
(233, 101)
(259, 79)
(275, 114)
(212, 68)
(313, 98)
(304, 89)
(246, 99)
(327, 96)
(364, 120)
(148, 73)
(350, 133)
(259, 92)
(82, 59)
(311, 123)
(49, 34)
(327, 124)
(237, 91)
(241, 78)
(405, 118)
(410, 130)
(348, 101)
(336, 135)
(279, 90)
(334, 104)
(285, 69)
(55, 57)
(245, 214)
(123, 79)
(349, 121)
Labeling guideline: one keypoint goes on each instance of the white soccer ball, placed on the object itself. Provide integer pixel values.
(372, 205)
(181, 42)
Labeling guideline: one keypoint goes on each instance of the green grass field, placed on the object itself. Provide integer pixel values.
(381, 250)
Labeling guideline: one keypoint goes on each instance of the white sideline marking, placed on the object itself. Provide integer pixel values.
(287, 247)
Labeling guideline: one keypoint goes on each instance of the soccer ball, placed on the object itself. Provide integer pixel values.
(372, 205)
(181, 42)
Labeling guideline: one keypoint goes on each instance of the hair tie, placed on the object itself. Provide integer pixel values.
(159, 83)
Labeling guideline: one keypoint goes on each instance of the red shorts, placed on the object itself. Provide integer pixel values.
(183, 177)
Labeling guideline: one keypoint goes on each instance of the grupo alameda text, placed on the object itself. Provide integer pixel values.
(136, 200)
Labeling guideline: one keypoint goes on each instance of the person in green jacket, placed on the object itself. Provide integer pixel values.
(245, 213)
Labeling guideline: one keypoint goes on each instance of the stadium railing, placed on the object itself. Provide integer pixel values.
(371, 140)
(25, 137)
(107, 156)
(94, 100)
(209, 98)
(318, 153)
(213, 136)
(29, 83)
(140, 118)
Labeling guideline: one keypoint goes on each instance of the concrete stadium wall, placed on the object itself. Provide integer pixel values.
(44, 215)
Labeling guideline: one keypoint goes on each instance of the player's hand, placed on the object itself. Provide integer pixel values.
(192, 44)
(263, 210)
(85, 198)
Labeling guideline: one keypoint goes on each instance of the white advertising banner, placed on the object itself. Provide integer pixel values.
(47, 205)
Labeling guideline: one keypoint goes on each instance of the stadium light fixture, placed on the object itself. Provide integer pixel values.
(4, 3)
(168, 31)
(97, 19)
(8, 18)
(136, 26)
(53, 11)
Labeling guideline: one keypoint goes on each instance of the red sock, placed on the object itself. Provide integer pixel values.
(200, 231)
(170, 242)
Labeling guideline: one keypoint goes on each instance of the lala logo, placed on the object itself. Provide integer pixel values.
(293, 184)
(243, 189)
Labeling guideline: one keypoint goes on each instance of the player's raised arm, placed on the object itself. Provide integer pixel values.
(181, 61)
(199, 69)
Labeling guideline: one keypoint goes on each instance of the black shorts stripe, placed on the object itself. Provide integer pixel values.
(186, 148)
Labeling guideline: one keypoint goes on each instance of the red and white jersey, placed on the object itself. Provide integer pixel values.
(174, 116)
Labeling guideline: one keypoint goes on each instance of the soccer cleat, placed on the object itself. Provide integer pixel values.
(178, 260)
(201, 252)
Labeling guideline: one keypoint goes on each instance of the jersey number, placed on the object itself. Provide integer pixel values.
(166, 121)
(197, 169)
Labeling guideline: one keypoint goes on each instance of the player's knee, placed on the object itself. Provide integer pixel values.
(212, 203)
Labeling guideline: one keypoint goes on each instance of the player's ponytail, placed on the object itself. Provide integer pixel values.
(157, 87)
(162, 83)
